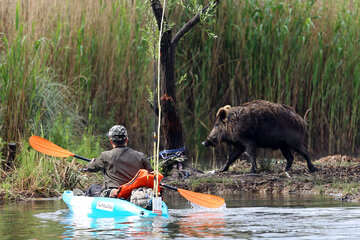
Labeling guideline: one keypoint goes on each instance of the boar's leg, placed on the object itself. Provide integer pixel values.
(237, 151)
(288, 156)
(251, 150)
(304, 152)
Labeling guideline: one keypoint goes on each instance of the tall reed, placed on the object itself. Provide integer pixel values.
(93, 55)
(94, 49)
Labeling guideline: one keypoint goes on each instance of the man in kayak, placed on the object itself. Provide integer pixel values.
(119, 164)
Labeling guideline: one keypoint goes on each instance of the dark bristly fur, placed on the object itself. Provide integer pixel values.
(260, 124)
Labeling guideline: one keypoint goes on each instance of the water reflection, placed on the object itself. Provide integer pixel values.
(83, 227)
(200, 224)
(244, 217)
(184, 223)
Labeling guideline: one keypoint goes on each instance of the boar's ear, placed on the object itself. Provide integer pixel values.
(222, 113)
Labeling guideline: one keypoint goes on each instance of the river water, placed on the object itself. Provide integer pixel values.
(245, 216)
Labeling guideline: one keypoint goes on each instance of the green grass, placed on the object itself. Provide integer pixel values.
(206, 180)
(351, 187)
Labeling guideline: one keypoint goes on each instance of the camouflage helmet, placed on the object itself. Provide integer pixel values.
(117, 133)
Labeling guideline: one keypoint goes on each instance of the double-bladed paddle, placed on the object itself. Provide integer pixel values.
(46, 147)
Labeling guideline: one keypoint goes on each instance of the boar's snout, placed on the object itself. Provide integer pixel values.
(208, 143)
(205, 143)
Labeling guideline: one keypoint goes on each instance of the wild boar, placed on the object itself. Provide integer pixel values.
(260, 124)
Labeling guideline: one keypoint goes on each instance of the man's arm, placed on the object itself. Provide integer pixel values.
(96, 164)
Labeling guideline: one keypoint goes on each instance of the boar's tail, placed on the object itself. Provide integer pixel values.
(306, 114)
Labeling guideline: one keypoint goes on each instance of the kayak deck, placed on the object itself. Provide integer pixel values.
(103, 207)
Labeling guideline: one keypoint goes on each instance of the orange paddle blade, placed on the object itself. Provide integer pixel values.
(202, 199)
(46, 147)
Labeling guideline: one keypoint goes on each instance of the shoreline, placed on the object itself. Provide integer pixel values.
(337, 176)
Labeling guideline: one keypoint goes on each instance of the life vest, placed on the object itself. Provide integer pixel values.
(143, 178)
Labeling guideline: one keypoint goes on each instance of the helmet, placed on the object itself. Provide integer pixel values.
(117, 132)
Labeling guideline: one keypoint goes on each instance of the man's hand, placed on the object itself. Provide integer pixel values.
(113, 193)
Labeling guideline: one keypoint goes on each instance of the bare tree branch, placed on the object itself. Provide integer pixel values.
(191, 24)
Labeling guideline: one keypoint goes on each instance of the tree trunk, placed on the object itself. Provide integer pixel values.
(171, 124)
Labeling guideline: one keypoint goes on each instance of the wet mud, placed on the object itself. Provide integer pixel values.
(338, 175)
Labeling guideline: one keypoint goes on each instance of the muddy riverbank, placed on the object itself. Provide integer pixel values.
(338, 175)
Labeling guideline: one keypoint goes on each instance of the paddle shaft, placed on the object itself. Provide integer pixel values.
(170, 187)
(82, 158)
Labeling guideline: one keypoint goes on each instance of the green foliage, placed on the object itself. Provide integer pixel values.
(207, 18)
(89, 145)
(182, 79)
(2, 145)
(65, 133)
